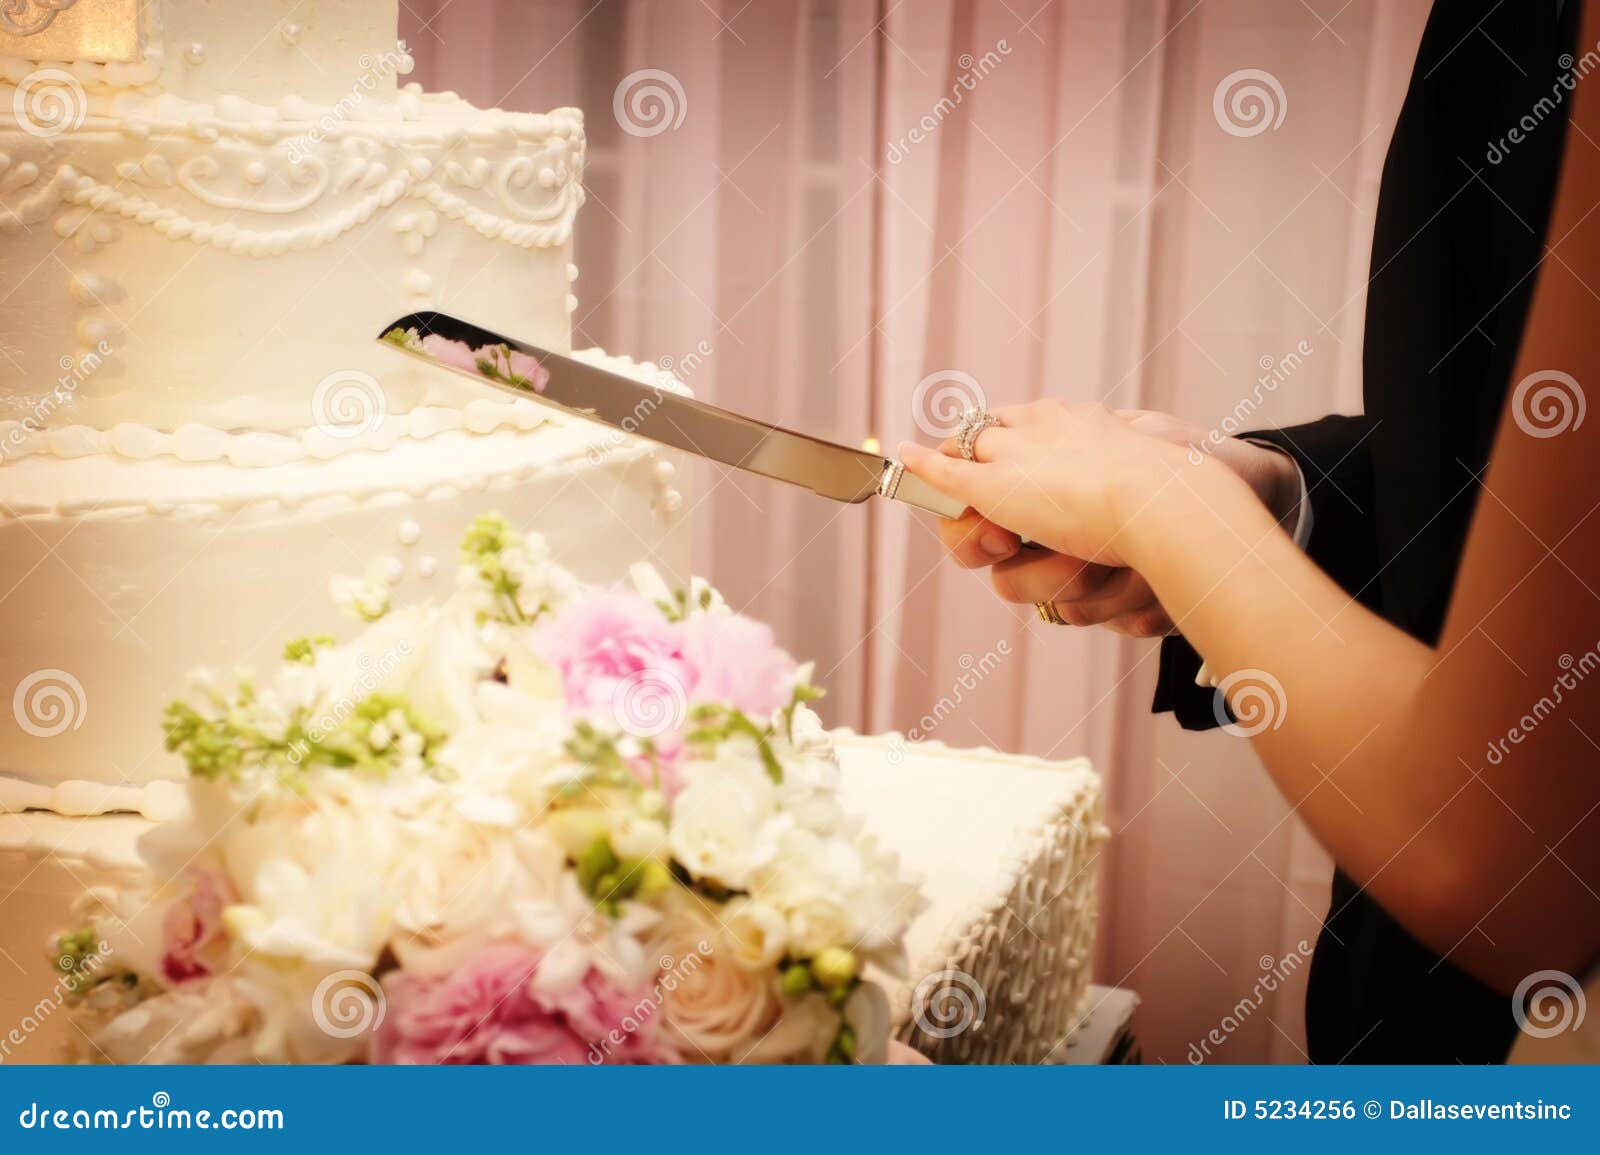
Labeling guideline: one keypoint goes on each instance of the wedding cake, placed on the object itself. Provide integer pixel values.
(207, 211)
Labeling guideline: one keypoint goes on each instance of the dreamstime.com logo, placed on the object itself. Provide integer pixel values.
(49, 102)
(948, 1003)
(1548, 1003)
(973, 69)
(49, 702)
(649, 102)
(1274, 973)
(348, 1003)
(1274, 372)
(348, 403)
(974, 671)
(1257, 701)
(941, 400)
(1249, 102)
(649, 703)
(1547, 403)
(682, 368)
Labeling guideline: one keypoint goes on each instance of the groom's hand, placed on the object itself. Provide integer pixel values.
(1085, 594)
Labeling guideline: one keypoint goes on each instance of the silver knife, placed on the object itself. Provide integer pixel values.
(513, 366)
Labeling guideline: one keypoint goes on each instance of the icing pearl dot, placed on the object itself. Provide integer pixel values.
(195, 53)
(392, 570)
(428, 566)
(419, 282)
(87, 289)
(665, 471)
(410, 533)
(92, 331)
(572, 273)
(547, 177)
(572, 303)
(255, 172)
(672, 501)
(292, 33)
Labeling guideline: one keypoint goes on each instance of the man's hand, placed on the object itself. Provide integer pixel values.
(1088, 594)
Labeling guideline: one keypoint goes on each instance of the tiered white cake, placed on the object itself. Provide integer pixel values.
(198, 429)
(194, 409)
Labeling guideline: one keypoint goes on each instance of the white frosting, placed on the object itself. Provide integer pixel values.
(1008, 847)
(128, 573)
(335, 223)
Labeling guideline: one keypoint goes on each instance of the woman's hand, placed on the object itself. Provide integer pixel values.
(1085, 593)
(1066, 478)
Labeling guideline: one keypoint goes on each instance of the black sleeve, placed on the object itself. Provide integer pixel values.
(1333, 455)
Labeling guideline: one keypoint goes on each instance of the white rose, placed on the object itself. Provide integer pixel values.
(757, 933)
(725, 820)
(314, 871)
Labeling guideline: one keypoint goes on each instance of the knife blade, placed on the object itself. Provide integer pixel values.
(824, 467)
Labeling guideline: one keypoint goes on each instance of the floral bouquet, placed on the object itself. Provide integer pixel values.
(539, 823)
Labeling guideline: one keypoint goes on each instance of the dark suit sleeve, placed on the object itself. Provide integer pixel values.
(1333, 455)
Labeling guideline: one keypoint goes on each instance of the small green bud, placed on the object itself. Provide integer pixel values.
(797, 980)
(654, 878)
(834, 966)
(846, 1042)
(605, 887)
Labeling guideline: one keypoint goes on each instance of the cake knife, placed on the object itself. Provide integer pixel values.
(504, 363)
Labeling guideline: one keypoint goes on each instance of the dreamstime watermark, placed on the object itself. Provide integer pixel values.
(1274, 973)
(973, 69)
(1547, 403)
(1548, 1003)
(974, 671)
(375, 70)
(1574, 671)
(369, 677)
(1572, 71)
(682, 368)
(948, 1003)
(1274, 372)
(348, 403)
(48, 102)
(348, 1003)
(1249, 102)
(649, 102)
(49, 702)
(942, 398)
(76, 974)
(1250, 702)
(675, 972)
(75, 371)
(649, 703)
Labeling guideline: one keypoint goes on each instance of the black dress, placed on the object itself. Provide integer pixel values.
(1467, 191)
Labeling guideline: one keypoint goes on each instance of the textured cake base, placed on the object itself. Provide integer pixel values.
(1009, 847)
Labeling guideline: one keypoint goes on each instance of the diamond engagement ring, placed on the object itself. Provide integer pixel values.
(973, 422)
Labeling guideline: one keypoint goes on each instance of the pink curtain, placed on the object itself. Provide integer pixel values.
(854, 209)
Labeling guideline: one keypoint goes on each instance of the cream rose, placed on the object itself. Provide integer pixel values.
(714, 1008)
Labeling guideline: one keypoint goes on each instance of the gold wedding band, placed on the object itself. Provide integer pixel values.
(1048, 613)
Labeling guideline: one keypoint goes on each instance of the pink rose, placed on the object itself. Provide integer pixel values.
(488, 1012)
(615, 654)
(192, 936)
(737, 662)
(456, 354)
